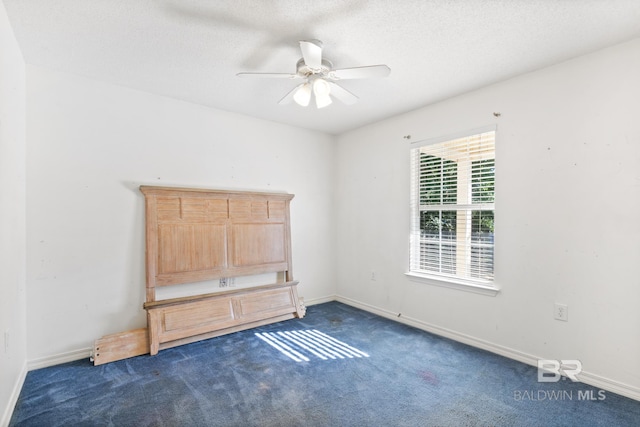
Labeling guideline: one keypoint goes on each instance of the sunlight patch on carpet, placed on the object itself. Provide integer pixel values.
(303, 345)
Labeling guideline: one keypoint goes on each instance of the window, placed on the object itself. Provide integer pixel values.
(452, 215)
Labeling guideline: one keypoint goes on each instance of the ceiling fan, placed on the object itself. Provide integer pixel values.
(320, 77)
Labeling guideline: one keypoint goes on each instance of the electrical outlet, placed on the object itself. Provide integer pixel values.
(374, 276)
(223, 282)
(561, 312)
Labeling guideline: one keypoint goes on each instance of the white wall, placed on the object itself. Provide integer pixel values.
(567, 216)
(91, 144)
(13, 335)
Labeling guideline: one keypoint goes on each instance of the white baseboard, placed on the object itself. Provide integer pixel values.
(585, 377)
(15, 394)
(56, 359)
(320, 300)
(610, 385)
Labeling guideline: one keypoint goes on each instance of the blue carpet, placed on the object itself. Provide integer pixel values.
(406, 377)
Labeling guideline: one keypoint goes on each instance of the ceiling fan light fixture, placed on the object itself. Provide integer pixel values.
(321, 87)
(303, 95)
(323, 100)
(321, 90)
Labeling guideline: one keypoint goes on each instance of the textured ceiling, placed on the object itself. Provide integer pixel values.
(192, 49)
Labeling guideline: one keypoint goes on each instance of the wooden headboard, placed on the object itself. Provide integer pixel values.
(195, 235)
(198, 234)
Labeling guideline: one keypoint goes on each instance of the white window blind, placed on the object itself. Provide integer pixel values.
(452, 207)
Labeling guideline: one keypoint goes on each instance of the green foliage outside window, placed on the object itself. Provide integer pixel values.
(438, 186)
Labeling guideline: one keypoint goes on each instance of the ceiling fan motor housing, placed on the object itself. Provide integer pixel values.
(304, 70)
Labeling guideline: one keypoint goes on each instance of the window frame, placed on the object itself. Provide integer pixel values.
(485, 287)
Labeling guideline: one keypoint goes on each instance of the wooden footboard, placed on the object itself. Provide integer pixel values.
(182, 320)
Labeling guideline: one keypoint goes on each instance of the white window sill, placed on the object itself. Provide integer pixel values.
(478, 288)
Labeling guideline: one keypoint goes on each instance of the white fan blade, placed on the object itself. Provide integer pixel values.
(360, 72)
(289, 96)
(342, 94)
(270, 75)
(312, 53)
